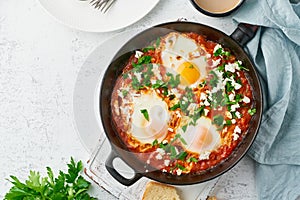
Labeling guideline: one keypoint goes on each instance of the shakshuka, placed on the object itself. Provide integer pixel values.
(182, 104)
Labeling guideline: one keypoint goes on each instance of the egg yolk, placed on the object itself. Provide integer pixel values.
(204, 138)
(189, 73)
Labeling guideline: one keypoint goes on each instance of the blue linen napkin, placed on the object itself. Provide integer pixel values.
(276, 52)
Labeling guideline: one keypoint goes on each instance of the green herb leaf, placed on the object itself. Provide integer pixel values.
(218, 52)
(159, 84)
(218, 120)
(175, 107)
(69, 185)
(252, 111)
(184, 128)
(174, 81)
(155, 142)
(157, 42)
(124, 93)
(149, 48)
(180, 167)
(192, 159)
(145, 113)
(182, 155)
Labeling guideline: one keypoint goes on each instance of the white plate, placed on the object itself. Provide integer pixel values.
(82, 16)
(87, 89)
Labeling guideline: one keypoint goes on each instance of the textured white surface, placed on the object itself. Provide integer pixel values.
(39, 63)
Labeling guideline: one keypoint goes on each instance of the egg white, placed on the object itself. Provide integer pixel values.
(203, 137)
(178, 49)
(156, 128)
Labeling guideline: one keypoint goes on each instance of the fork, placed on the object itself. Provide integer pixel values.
(102, 5)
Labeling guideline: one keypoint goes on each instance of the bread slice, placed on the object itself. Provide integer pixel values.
(158, 191)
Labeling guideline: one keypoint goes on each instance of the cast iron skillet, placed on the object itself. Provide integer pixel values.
(235, 43)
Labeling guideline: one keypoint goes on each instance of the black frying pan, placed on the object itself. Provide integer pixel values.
(235, 42)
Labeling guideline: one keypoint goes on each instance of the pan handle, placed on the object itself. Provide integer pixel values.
(110, 168)
(244, 33)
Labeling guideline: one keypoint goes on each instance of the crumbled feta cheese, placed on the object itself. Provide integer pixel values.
(235, 136)
(234, 107)
(231, 97)
(233, 121)
(135, 95)
(165, 141)
(138, 76)
(158, 156)
(178, 114)
(166, 162)
(206, 103)
(138, 54)
(246, 99)
(161, 151)
(178, 171)
(170, 129)
(238, 114)
(237, 86)
(230, 67)
(203, 96)
(208, 55)
(206, 111)
(156, 72)
(216, 62)
(164, 170)
(191, 108)
(218, 46)
(237, 129)
(204, 155)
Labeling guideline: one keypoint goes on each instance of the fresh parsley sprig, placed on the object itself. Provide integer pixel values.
(66, 186)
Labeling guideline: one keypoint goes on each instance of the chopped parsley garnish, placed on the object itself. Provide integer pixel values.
(145, 113)
(175, 107)
(182, 155)
(192, 159)
(228, 122)
(199, 112)
(144, 60)
(174, 81)
(157, 42)
(221, 52)
(214, 80)
(218, 120)
(218, 52)
(125, 75)
(159, 84)
(242, 67)
(238, 98)
(229, 87)
(155, 142)
(252, 111)
(180, 167)
(184, 128)
(136, 84)
(124, 93)
(149, 48)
